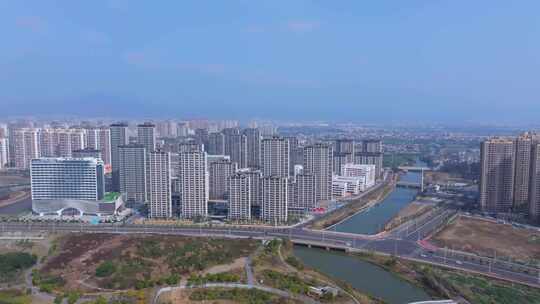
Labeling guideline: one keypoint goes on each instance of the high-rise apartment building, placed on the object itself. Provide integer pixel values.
(25, 146)
(182, 129)
(133, 161)
(159, 193)
(304, 193)
(190, 146)
(370, 158)
(346, 146)
(523, 146)
(274, 199)
(239, 196)
(216, 144)
(275, 154)
(318, 162)
(219, 172)
(100, 139)
(146, 136)
(340, 159)
(253, 138)
(61, 142)
(167, 129)
(497, 175)
(255, 177)
(118, 138)
(201, 136)
(372, 146)
(236, 147)
(295, 153)
(4, 152)
(193, 179)
(534, 184)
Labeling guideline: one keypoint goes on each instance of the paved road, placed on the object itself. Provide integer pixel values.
(403, 246)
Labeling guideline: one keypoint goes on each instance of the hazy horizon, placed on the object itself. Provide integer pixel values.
(375, 62)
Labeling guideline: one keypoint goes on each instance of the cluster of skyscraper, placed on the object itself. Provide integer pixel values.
(510, 175)
(257, 176)
(24, 144)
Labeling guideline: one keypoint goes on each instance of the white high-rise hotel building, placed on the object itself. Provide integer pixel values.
(67, 178)
(60, 184)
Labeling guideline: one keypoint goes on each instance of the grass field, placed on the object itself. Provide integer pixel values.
(122, 262)
(480, 290)
(14, 296)
(487, 238)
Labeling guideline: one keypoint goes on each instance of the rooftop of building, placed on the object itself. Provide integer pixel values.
(111, 196)
(66, 159)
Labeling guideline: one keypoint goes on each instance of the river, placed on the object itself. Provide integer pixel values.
(362, 275)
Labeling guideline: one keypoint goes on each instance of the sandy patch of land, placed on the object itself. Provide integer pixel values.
(235, 265)
(486, 238)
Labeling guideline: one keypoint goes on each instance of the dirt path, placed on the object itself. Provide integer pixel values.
(236, 264)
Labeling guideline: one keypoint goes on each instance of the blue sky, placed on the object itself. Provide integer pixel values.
(361, 61)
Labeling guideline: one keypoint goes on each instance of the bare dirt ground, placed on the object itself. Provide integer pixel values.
(484, 238)
(237, 264)
(433, 177)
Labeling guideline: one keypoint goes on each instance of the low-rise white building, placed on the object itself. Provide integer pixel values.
(368, 172)
(345, 185)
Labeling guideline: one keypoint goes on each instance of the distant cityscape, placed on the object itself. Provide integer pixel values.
(179, 170)
(203, 169)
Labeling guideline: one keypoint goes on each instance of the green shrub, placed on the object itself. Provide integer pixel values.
(13, 262)
(294, 262)
(105, 269)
